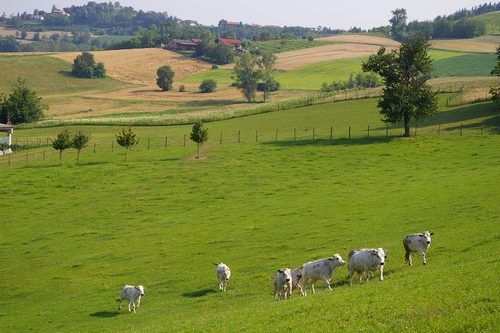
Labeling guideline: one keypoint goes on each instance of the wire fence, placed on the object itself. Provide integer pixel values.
(41, 149)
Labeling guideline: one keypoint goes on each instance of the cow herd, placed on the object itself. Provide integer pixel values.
(363, 261)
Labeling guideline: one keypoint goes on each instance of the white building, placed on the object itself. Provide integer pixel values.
(6, 139)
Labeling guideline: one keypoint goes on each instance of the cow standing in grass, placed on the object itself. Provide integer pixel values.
(367, 261)
(320, 269)
(223, 274)
(132, 295)
(283, 284)
(417, 243)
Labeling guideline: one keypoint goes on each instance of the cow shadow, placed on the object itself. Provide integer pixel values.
(105, 314)
(199, 293)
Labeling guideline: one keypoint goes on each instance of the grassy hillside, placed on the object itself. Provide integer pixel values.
(492, 21)
(74, 234)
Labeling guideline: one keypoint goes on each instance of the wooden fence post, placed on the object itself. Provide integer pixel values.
(148, 143)
(276, 135)
(166, 141)
(368, 131)
(313, 133)
(94, 148)
(112, 146)
(387, 130)
(294, 133)
(439, 130)
(43, 155)
(331, 132)
(461, 128)
(239, 136)
(416, 129)
(481, 128)
(184, 140)
(349, 132)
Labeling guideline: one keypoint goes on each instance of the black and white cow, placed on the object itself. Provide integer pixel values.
(132, 295)
(417, 243)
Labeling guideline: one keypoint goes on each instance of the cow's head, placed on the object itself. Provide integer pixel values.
(286, 274)
(426, 236)
(337, 258)
(141, 289)
(226, 272)
(379, 254)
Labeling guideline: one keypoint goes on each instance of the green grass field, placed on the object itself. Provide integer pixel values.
(73, 235)
(470, 64)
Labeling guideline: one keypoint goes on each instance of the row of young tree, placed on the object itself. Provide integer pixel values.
(358, 81)
(126, 138)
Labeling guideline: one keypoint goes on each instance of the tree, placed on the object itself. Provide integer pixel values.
(221, 54)
(22, 105)
(199, 135)
(165, 78)
(80, 141)
(495, 91)
(246, 76)
(84, 66)
(406, 94)
(398, 24)
(61, 142)
(266, 64)
(208, 86)
(127, 139)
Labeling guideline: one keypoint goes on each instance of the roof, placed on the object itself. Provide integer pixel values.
(6, 128)
(185, 42)
(228, 42)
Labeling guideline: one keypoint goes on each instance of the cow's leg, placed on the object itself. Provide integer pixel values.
(312, 286)
(381, 272)
(326, 283)
(138, 302)
(367, 273)
(409, 259)
(423, 257)
(129, 302)
(120, 305)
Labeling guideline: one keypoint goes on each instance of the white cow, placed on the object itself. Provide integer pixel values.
(132, 295)
(417, 243)
(297, 279)
(368, 261)
(223, 274)
(320, 269)
(283, 283)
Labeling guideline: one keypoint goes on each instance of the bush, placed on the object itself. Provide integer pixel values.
(182, 88)
(84, 66)
(208, 86)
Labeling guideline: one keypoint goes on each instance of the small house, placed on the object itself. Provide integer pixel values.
(6, 139)
(182, 45)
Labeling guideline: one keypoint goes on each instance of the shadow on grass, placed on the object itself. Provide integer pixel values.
(332, 142)
(199, 293)
(105, 314)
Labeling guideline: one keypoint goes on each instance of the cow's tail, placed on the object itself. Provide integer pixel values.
(407, 251)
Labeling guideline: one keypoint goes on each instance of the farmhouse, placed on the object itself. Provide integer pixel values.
(8, 139)
(233, 43)
(183, 45)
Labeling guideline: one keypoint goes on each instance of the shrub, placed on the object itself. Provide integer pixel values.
(208, 86)
(182, 88)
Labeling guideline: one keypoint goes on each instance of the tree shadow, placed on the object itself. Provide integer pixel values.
(199, 293)
(105, 314)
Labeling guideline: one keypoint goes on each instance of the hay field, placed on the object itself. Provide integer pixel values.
(480, 44)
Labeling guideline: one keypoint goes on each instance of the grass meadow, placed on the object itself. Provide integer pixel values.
(73, 235)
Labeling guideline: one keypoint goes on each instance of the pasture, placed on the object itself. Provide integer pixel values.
(73, 235)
